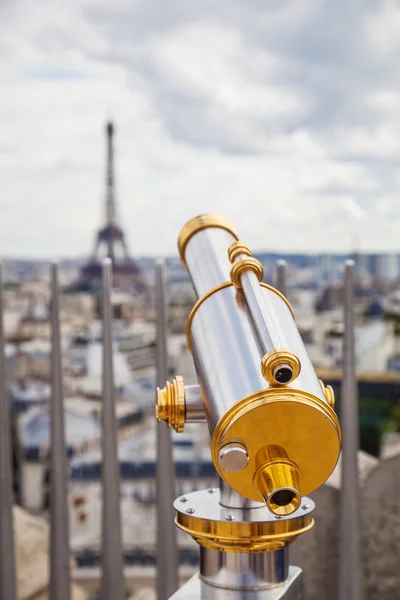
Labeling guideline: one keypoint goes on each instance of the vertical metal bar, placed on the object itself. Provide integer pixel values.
(7, 561)
(112, 584)
(60, 587)
(350, 571)
(281, 276)
(167, 551)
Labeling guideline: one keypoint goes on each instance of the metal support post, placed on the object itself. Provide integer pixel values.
(351, 576)
(243, 573)
(7, 562)
(167, 551)
(112, 584)
(60, 586)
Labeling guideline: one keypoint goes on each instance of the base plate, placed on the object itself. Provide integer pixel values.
(195, 589)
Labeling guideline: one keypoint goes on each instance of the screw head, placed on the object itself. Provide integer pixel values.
(233, 457)
(305, 506)
(230, 518)
(184, 499)
(211, 490)
(190, 511)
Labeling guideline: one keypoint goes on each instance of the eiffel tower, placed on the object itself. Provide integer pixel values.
(110, 239)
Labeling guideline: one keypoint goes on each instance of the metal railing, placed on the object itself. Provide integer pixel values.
(7, 560)
(112, 581)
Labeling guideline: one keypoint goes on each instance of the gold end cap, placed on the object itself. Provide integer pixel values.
(198, 224)
(170, 404)
(299, 423)
(280, 366)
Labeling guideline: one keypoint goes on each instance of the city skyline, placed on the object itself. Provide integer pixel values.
(281, 117)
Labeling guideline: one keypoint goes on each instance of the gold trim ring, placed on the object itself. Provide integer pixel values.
(271, 361)
(245, 264)
(261, 537)
(198, 224)
(200, 514)
(222, 286)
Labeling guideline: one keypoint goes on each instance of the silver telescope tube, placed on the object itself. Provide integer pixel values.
(274, 434)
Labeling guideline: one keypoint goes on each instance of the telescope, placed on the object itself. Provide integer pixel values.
(275, 437)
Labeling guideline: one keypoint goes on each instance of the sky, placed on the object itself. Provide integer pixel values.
(283, 116)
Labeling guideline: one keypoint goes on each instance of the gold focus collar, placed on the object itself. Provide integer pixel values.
(198, 224)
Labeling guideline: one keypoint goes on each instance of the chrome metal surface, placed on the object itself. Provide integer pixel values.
(112, 584)
(207, 259)
(233, 457)
(265, 327)
(350, 565)
(252, 292)
(244, 570)
(231, 499)
(195, 589)
(7, 562)
(60, 586)
(227, 352)
(281, 267)
(194, 406)
(233, 329)
(167, 551)
(207, 506)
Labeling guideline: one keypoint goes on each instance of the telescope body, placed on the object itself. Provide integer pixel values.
(274, 434)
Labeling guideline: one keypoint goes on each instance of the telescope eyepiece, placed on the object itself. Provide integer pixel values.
(283, 374)
(277, 480)
(280, 366)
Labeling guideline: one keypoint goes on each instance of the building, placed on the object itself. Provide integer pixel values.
(193, 470)
(35, 324)
(83, 431)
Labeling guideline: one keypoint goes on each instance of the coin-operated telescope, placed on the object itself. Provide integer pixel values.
(274, 434)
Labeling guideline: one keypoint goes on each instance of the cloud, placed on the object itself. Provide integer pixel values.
(280, 115)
